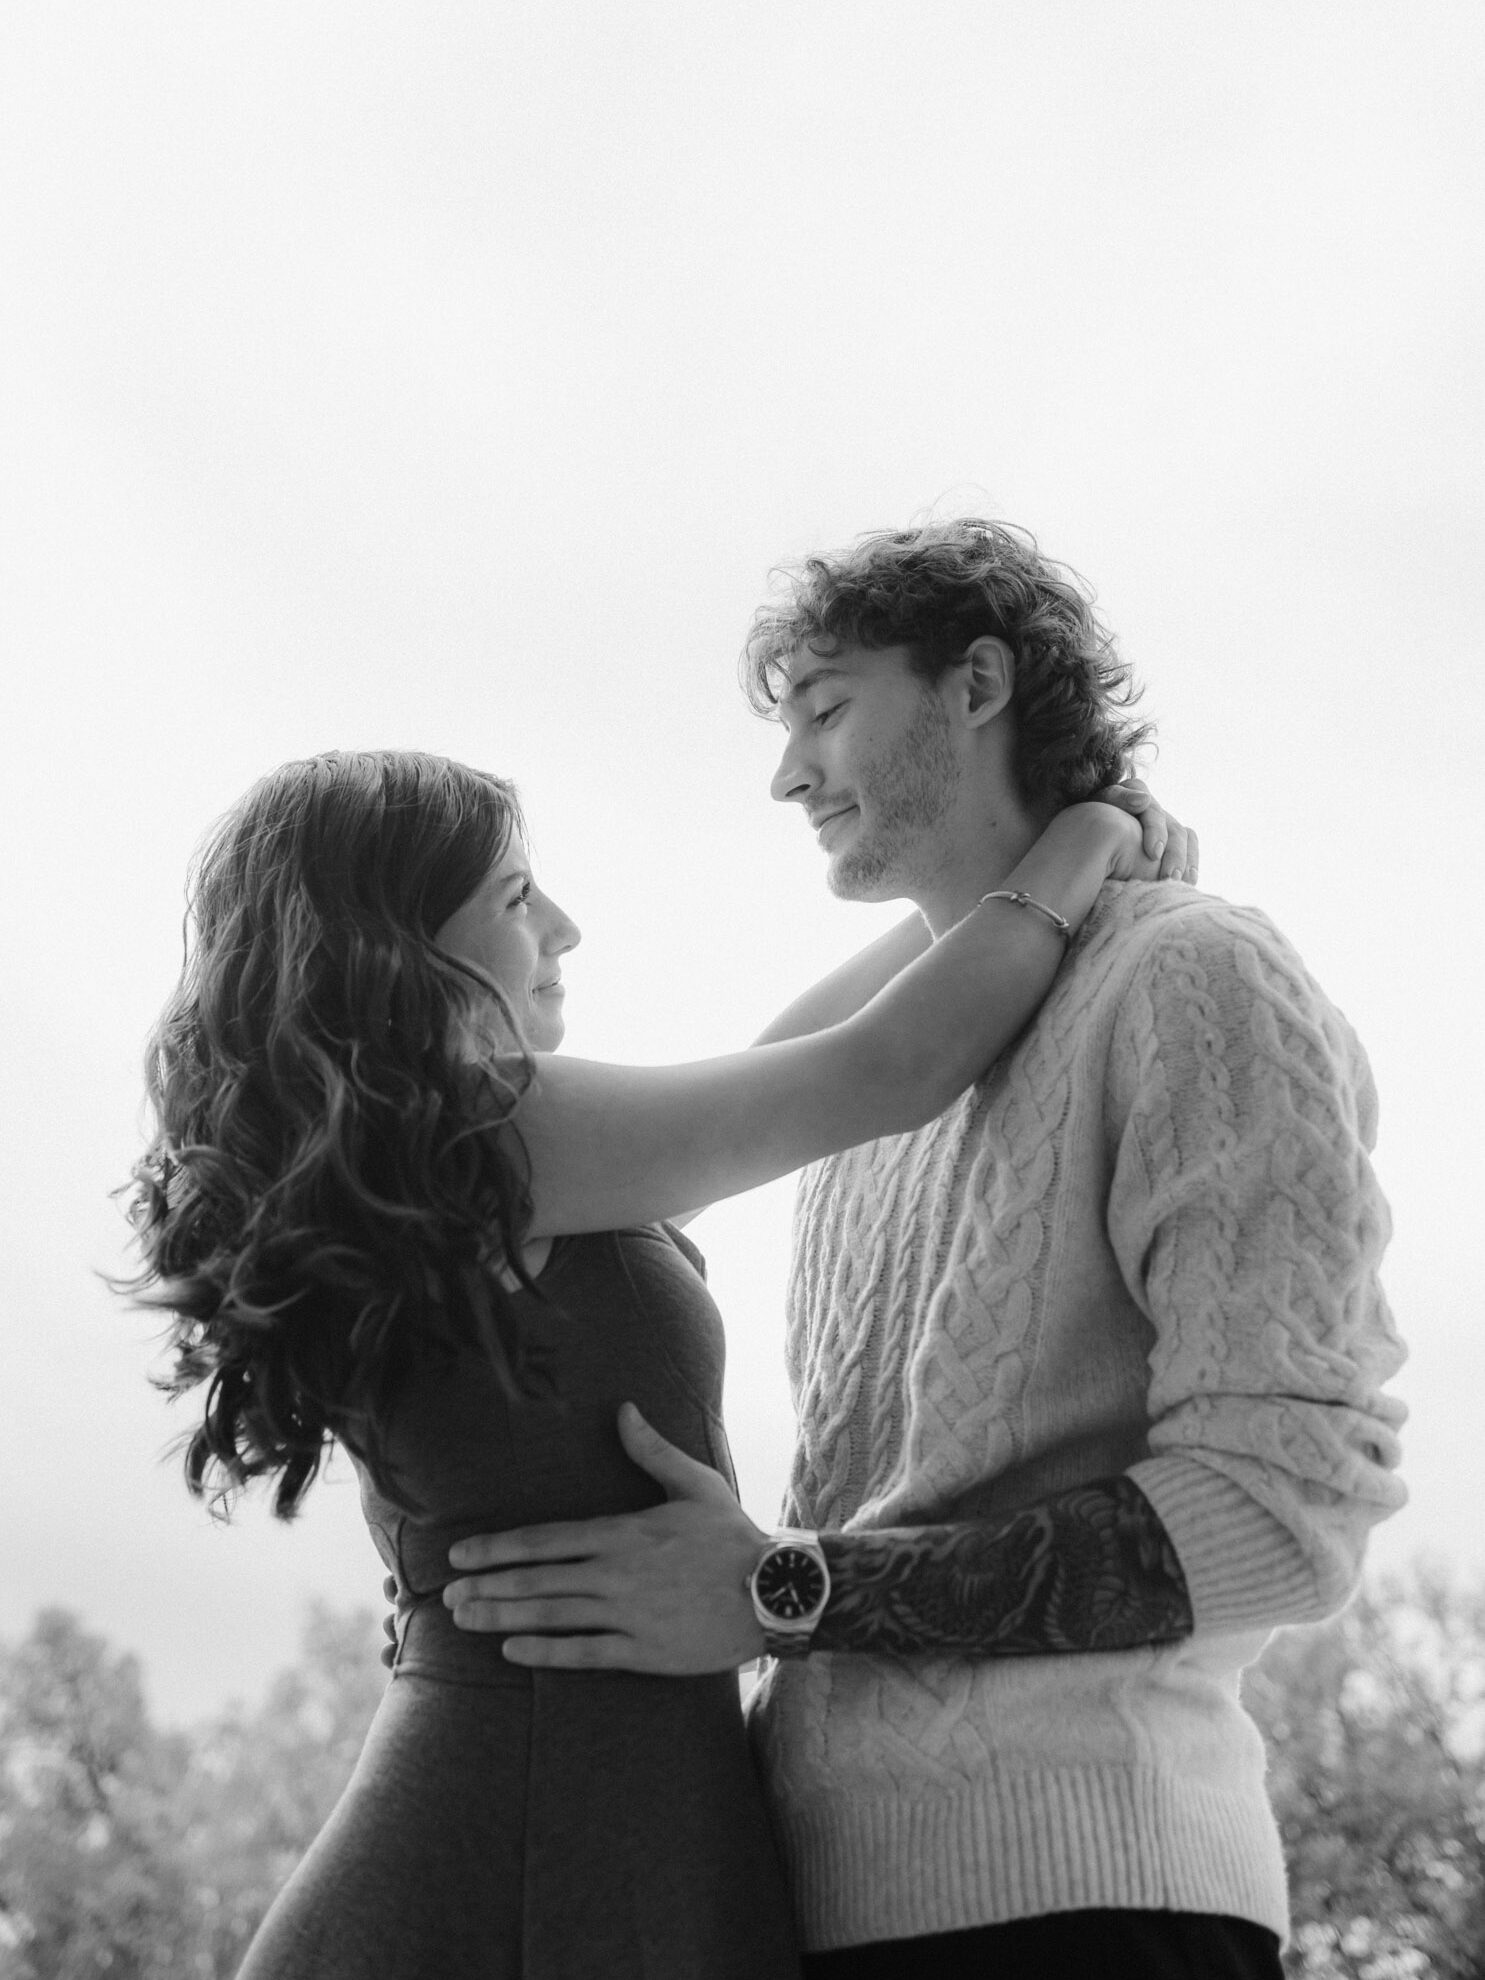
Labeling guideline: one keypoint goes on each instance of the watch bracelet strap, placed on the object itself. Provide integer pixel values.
(788, 1643)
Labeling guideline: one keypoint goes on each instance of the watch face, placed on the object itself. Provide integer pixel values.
(790, 1583)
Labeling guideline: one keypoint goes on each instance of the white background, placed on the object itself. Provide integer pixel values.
(451, 375)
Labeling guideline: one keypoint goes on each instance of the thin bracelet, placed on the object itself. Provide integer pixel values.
(1063, 927)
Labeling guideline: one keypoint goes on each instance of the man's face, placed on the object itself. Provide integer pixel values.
(870, 757)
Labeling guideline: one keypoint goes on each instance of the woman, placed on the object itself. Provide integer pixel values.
(379, 1210)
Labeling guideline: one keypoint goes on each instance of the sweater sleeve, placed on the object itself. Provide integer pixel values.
(1249, 1227)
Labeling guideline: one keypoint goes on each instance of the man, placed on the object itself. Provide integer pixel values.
(1088, 1371)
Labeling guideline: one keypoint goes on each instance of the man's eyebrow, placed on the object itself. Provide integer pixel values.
(812, 679)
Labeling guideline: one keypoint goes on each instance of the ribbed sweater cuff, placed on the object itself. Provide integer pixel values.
(1244, 1570)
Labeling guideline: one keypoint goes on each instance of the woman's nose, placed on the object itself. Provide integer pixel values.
(566, 935)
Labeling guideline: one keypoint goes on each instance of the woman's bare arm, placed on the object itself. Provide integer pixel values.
(842, 993)
(612, 1145)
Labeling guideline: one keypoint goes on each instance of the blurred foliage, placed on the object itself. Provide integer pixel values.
(90, 1874)
(146, 1855)
(152, 1856)
(1375, 1725)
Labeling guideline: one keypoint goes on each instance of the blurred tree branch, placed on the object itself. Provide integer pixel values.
(152, 1856)
(1375, 1725)
(149, 1855)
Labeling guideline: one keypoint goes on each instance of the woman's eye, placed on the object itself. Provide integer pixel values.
(825, 713)
(520, 900)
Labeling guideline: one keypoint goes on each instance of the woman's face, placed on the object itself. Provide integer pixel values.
(510, 929)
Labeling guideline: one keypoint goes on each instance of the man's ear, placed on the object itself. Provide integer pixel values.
(989, 679)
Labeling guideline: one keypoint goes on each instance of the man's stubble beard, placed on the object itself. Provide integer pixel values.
(910, 789)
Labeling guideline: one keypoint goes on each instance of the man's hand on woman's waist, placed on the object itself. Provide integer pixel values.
(665, 1591)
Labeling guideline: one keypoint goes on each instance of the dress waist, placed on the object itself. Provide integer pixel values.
(430, 1644)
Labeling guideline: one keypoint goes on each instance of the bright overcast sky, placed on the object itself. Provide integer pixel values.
(452, 375)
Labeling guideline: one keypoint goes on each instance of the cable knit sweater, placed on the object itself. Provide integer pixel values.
(1147, 1242)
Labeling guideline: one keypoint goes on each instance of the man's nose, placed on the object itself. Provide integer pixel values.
(795, 777)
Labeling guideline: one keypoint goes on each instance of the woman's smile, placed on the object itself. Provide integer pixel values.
(515, 933)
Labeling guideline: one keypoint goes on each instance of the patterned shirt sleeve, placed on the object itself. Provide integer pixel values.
(1249, 1227)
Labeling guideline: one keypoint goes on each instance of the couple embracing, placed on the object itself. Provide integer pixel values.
(1084, 1331)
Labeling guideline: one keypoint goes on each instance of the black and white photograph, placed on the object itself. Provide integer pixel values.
(741, 1036)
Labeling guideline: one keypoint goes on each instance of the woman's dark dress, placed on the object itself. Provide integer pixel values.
(553, 1825)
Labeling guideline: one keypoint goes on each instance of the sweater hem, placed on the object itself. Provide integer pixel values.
(1026, 1844)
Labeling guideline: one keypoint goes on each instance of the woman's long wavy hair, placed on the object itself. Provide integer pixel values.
(333, 1188)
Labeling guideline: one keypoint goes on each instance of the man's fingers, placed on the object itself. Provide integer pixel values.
(556, 1614)
(574, 1541)
(570, 1653)
(521, 1583)
(683, 1477)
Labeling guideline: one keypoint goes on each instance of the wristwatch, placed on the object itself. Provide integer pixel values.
(790, 1587)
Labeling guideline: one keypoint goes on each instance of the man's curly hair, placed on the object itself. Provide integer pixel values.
(937, 588)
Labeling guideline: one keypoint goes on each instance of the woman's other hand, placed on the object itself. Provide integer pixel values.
(1165, 840)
